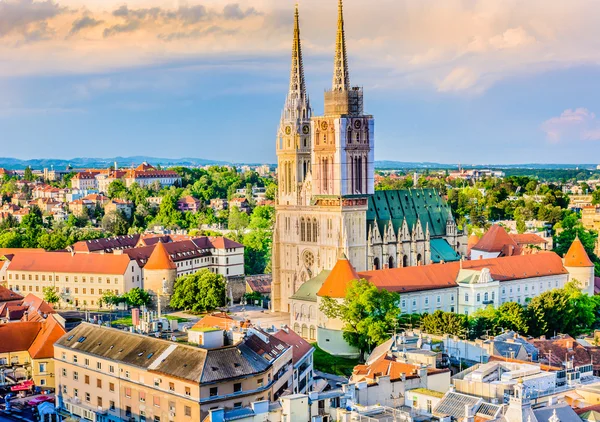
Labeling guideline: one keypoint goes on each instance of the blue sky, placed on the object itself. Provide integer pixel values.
(460, 81)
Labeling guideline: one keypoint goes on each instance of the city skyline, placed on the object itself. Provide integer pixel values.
(464, 82)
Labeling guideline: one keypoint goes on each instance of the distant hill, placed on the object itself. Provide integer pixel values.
(84, 162)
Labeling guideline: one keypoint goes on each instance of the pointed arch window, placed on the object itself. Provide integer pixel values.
(315, 228)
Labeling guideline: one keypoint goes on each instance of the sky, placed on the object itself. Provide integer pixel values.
(453, 81)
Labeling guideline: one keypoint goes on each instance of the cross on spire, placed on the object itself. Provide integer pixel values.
(297, 83)
(341, 77)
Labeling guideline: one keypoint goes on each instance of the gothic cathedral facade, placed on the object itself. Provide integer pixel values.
(326, 174)
(327, 205)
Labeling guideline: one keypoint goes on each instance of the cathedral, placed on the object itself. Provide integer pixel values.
(327, 206)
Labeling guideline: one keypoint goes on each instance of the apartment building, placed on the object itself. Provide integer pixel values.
(79, 279)
(103, 374)
(26, 351)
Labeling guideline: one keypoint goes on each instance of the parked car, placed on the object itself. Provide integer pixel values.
(39, 400)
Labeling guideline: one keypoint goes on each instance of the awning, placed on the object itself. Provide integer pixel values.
(26, 385)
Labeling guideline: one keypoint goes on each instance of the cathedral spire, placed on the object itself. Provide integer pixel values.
(297, 83)
(341, 77)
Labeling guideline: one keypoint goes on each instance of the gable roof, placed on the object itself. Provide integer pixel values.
(576, 256)
(496, 239)
(336, 283)
(160, 259)
(425, 205)
(149, 353)
(7, 295)
(528, 239)
(64, 262)
(300, 347)
(218, 320)
(18, 336)
(43, 345)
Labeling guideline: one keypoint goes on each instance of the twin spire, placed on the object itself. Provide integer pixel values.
(341, 76)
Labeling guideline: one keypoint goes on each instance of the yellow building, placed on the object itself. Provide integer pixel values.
(26, 350)
(104, 374)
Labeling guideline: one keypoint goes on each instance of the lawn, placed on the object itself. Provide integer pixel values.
(330, 364)
(123, 321)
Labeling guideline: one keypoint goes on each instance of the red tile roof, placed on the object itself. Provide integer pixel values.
(64, 262)
(441, 276)
(160, 259)
(18, 336)
(497, 240)
(300, 347)
(525, 239)
(554, 351)
(7, 295)
(217, 320)
(336, 283)
(43, 345)
(576, 256)
(260, 284)
(384, 366)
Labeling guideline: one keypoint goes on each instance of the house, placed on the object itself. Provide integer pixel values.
(219, 204)
(188, 204)
(302, 359)
(147, 175)
(85, 180)
(27, 347)
(121, 206)
(241, 204)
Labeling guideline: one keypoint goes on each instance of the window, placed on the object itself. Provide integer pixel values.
(75, 375)
(99, 365)
(87, 397)
(426, 300)
(111, 369)
(74, 358)
(65, 389)
(237, 405)
(98, 383)
(142, 396)
(156, 401)
(429, 406)
(237, 387)
(86, 379)
(128, 411)
(126, 374)
(75, 392)
(478, 297)
(403, 303)
(485, 297)
(439, 299)
(260, 382)
(64, 372)
(188, 391)
(86, 362)
(111, 405)
(42, 367)
(127, 391)
(188, 411)
(111, 387)
(214, 391)
(493, 296)
(466, 297)
(99, 401)
(171, 386)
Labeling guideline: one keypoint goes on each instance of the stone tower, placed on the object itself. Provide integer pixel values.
(160, 273)
(325, 173)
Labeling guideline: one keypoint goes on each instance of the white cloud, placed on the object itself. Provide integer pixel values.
(572, 125)
(460, 79)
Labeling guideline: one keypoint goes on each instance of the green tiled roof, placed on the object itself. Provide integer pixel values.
(412, 204)
(308, 291)
(442, 251)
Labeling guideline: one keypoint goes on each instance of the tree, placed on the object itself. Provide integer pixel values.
(137, 297)
(28, 175)
(369, 314)
(108, 298)
(199, 292)
(511, 316)
(445, 323)
(238, 220)
(50, 295)
(116, 189)
(262, 217)
(114, 222)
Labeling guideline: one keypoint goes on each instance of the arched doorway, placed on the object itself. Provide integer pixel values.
(391, 262)
(376, 264)
(419, 259)
(405, 261)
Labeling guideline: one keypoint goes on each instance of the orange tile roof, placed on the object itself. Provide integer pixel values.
(496, 240)
(219, 320)
(528, 239)
(336, 283)
(384, 366)
(64, 262)
(43, 345)
(160, 259)
(576, 256)
(18, 336)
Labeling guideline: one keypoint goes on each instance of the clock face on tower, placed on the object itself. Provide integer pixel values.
(305, 129)
(288, 130)
(324, 126)
(357, 124)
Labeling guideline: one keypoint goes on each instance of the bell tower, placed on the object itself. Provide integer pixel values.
(293, 135)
